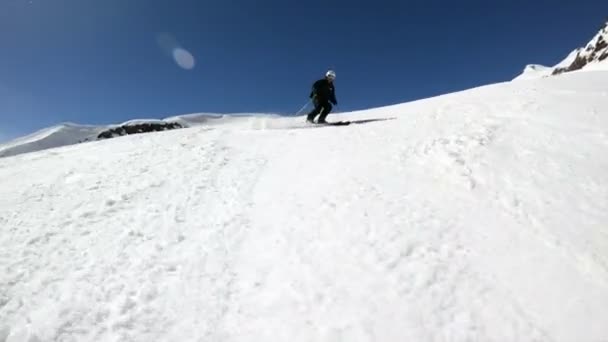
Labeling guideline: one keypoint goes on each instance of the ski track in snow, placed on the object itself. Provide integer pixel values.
(477, 216)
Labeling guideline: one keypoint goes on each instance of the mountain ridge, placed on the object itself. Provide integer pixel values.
(592, 56)
(69, 133)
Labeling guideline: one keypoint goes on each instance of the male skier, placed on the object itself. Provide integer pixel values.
(323, 92)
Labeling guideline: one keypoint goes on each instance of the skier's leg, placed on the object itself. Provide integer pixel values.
(327, 109)
(311, 116)
(318, 109)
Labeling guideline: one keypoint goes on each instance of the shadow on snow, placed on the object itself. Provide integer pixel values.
(359, 122)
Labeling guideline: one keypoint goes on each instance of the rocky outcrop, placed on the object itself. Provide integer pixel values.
(595, 51)
(137, 128)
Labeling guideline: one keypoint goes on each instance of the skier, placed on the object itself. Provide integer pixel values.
(323, 92)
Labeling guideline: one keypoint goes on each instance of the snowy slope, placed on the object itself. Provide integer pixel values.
(476, 216)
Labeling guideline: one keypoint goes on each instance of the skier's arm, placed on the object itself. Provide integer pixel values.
(315, 89)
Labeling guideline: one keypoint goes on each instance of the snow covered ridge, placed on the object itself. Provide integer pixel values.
(69, 133)
(532, 71)
(593, 56)
(596, 51)
(51, 137)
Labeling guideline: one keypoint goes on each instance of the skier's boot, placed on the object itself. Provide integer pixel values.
(322, 118)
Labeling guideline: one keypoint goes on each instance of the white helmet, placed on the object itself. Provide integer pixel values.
(331, 74)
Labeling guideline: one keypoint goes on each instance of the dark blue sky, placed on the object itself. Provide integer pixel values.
(100, 61)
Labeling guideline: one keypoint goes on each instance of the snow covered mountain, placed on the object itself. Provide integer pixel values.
(475, 216)
(593, 56)
(56, 136)
(69, 133)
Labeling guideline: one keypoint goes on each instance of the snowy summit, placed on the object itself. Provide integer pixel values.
(480, 215)
(593, 56)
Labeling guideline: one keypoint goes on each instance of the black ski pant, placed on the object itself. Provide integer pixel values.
(322, 108)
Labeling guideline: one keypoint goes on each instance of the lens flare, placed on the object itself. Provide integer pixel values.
(166, 42)
(182, 57)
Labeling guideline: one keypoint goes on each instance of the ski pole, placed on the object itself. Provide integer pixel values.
(303, 107)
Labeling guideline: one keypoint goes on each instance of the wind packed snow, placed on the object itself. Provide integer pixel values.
(475, 216)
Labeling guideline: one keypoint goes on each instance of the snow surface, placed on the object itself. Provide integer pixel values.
(475, 216)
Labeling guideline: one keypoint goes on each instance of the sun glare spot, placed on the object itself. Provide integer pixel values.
(183, 58)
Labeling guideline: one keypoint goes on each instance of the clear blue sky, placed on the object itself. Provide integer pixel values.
(100, 61)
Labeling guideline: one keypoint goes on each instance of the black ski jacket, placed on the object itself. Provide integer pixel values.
(324, 91)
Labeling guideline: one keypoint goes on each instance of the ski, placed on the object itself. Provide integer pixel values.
(335, 123)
